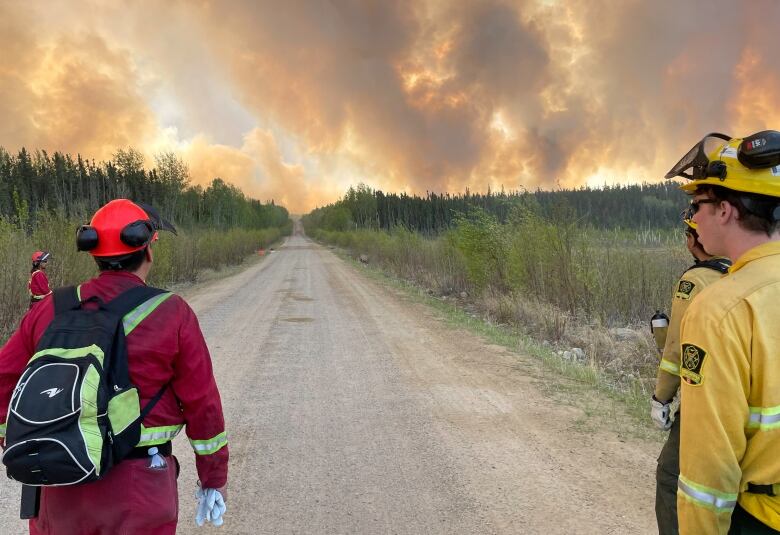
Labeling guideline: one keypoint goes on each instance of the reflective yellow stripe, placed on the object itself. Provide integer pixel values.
(212, 445)
(670, 367)
(151, 436)
(74, 353)
(714, 500)
(139, 313)
(764, 418)
(2, 430)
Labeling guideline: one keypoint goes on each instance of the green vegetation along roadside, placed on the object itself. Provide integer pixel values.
(548, 270)
(178, 259)
(578, 297)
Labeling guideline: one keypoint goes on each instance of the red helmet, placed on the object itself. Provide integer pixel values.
(119, 228)
(40, 256)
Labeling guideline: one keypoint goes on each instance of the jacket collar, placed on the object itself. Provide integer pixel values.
(765, 249)
(110, 275)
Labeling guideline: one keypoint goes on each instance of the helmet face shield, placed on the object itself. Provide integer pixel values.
(697, 160)
(40, 257)
(157, 221)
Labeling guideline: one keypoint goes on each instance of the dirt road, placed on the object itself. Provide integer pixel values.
(352, 410)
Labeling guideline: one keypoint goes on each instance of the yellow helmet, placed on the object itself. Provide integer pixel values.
(750, 165)
(687, 217)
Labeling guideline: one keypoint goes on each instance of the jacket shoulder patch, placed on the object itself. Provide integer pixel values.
(684, 289)
(691, 361)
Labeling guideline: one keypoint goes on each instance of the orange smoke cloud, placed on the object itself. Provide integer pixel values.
(74, 94)
(296, 101)
(258, 169)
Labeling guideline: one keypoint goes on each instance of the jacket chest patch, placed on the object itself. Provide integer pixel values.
(692, 360)
(684, 289)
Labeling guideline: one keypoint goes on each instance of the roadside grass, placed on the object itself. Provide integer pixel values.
(212, 274)
(605, 400)
(178, 260)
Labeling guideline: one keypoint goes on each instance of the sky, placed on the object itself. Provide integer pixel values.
(296, 101)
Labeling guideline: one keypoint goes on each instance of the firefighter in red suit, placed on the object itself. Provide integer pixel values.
(38, 285)
(165, 348)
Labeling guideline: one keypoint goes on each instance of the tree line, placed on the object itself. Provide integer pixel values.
(36, 182)
(637, 206)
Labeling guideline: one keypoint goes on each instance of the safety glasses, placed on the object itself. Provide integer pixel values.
(695, 165)
(694, 206)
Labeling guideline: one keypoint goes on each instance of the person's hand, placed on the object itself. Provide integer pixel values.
(211, 506)
(659, 413)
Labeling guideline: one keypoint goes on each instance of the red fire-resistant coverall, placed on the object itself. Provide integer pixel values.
(167, 347)
(38, 286)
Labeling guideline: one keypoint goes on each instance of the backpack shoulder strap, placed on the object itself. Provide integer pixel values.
(131, 299)
(129, 305)
(66, 298)
(152, 402)
(721, 265)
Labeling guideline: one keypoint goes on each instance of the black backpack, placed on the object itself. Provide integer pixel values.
(74, 413)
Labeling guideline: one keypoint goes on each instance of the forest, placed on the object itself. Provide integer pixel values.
(44, 198)
(637, 206)
(35, 182)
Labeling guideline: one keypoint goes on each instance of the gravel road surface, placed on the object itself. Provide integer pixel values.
(351, 409)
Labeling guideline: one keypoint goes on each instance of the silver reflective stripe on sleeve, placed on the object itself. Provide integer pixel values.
(720, 502)
(764, 418)
(158, 435)
(212, 445)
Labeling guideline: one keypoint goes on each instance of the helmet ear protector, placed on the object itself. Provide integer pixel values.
(136, 234)
(761, 150)
(86, 238)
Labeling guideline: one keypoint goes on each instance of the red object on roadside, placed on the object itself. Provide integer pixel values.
(261, 252)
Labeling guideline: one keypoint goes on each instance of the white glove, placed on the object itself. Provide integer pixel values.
(659, 412)
(211, 507)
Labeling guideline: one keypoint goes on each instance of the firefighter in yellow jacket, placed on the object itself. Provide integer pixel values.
(730, 342)
(706, 270)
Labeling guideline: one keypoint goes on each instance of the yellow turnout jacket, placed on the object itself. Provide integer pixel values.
(730, 370)
(690, 284)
